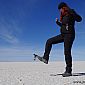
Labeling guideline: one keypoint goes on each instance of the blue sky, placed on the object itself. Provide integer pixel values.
(25, 25)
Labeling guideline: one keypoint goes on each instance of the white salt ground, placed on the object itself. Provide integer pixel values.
(38, 73)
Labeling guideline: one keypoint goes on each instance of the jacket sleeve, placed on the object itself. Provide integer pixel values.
(59, 23)
(77, 17)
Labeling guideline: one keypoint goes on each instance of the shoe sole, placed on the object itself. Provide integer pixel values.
(40, 58)
(66, 75)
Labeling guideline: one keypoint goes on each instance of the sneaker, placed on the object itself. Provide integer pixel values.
(40, 58)
(43, 60)
(66, 74)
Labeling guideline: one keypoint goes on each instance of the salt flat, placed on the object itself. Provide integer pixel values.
(38, 73)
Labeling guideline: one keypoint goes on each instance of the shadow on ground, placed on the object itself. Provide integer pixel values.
(73, 74)
(78, 74)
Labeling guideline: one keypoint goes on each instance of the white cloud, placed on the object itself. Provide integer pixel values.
(9, 38)
(15, 52)
(8, 31)
(26, 52)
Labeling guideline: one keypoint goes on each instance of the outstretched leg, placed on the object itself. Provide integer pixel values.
(49, 43)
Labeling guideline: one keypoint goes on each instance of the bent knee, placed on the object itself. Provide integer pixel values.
(49, 41)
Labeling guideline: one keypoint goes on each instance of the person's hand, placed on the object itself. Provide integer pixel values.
(56, 19)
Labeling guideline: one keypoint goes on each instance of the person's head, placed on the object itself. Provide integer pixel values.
(62, 7)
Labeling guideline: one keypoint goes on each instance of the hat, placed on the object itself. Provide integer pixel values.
(62, 4)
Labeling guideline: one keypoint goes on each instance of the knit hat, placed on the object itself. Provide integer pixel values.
(62, 4)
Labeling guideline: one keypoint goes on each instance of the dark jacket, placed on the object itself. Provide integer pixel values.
(68, 22)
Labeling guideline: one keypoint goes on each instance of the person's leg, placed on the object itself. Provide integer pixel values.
(68, 41)
(48, 46)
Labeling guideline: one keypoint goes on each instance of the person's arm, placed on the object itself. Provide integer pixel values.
(58, 23)
(77, 17)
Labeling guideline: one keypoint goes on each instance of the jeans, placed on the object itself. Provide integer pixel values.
(67, 39)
